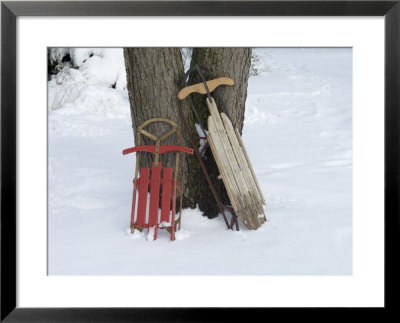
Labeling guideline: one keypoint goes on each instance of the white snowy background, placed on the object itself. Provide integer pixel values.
(298, 133)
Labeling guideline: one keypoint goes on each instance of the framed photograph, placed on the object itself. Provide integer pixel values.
(317, 109)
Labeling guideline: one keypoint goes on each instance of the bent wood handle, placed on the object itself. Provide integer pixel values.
(200, 88)
(163, 149)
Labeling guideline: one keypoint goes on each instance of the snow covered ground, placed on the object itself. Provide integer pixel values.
(298, 133)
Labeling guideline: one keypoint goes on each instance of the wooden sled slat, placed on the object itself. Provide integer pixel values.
(244, 166)
(220, 160)
(257, 205)
(166, 195)
(142, 200)
(154, 194)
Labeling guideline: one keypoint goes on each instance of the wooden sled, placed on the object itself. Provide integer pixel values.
(147, 215)
(232, 159)
(224, 209)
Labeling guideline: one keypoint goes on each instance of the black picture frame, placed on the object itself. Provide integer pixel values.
(10, 10)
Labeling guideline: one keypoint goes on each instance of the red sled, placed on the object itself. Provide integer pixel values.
(146, 214)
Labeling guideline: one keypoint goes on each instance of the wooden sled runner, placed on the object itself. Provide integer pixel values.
(232, 159)
(147, 215)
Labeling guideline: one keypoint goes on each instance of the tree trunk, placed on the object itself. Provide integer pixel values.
(229, 62)
(154, 78)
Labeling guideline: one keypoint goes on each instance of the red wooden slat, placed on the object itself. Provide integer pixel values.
(168, 148)
(166, 195)
(150, 149)
(142, 200)
(154, 194)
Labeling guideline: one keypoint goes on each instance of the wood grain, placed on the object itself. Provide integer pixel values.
(230, 169)
(200, 88)
(244, 167)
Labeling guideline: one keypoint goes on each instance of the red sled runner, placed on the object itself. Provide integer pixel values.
(147, 215)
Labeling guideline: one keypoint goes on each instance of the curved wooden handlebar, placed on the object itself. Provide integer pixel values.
(163, 149)
(200, 88)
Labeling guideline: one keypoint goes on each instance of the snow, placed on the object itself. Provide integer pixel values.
(104, 65)
(186, 57)
(257, 65)
(298, 134)
(201, 134)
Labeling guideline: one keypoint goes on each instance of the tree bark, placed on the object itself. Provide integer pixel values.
(233, 63)
(154, 78)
